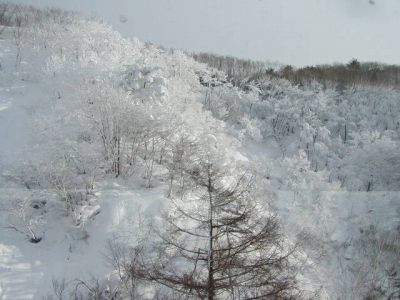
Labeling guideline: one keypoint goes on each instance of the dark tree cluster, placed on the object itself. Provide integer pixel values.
(240, 72)
(354, 72)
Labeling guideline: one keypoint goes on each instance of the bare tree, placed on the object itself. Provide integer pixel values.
(18, 20)
(373, 270)
(125, 261)
(22, 221)
(83, 289)
(219, 242)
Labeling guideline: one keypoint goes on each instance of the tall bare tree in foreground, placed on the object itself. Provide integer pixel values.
(219, 242)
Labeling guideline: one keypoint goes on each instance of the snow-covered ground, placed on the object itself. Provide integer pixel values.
(46, 123)
(67, 251)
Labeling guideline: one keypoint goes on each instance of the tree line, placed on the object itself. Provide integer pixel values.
(241, 72)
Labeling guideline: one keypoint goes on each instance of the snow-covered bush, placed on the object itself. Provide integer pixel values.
(25, 216)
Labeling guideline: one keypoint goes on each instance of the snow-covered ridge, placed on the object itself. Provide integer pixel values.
(92, 127)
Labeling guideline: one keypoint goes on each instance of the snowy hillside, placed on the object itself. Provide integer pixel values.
(101, 135)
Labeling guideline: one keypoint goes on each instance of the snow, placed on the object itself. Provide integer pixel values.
(71, 252)
(47, 121)
(66, 251)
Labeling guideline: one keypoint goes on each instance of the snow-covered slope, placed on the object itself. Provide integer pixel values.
(91, 125)
(49, 146)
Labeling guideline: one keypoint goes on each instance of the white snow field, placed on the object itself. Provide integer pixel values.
(78, 80)
(66, 251)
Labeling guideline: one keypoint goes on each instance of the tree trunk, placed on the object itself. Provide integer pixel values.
(211, 286)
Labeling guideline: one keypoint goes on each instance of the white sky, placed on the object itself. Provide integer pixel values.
(298, 32)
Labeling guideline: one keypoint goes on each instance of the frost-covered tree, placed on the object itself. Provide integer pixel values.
(373, 165)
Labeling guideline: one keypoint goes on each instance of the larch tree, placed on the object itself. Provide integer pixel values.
(218, 241)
